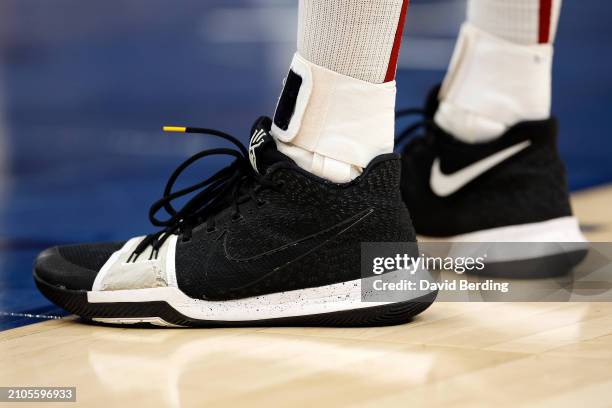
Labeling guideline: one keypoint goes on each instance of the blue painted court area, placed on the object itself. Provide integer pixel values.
(85, 87)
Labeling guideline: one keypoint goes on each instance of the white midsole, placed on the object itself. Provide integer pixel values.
(302, 302)
(155, 321)
(525, 241)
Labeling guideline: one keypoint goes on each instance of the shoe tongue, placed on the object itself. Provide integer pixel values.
(262, 147)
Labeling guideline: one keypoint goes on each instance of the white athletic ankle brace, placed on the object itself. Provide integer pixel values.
(493, 84)
(331, 124)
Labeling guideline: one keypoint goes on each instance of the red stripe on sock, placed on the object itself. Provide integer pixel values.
(545, 15)
(392, 67)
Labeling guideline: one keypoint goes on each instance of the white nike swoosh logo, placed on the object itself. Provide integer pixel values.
(446, 184)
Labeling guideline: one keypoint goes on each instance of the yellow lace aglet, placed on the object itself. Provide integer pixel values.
(180, 129)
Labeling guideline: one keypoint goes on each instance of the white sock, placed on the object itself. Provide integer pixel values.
(501, 70)
(336, 112)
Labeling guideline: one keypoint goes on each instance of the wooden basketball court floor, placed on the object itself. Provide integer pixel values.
(455, 354)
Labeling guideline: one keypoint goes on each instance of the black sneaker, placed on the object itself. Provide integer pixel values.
(262, 242)
(512, 189)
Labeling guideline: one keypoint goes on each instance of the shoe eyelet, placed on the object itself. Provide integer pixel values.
(237, 217)
(261, 203)
(280, 184)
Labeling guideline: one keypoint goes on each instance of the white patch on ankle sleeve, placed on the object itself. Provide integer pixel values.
(118, 274)
(493, 84)
(339, 117)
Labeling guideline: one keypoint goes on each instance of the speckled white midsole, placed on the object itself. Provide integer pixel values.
(324, 299)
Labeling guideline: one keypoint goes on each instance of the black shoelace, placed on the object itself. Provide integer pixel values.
(230, 186)
(410, 131)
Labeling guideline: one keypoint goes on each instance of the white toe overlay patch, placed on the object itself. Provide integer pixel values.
(119, 274)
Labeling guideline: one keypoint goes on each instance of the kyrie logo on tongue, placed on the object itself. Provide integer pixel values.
(259, 137)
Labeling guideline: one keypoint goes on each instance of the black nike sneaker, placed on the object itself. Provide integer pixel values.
(512, 190)
(261, 242)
